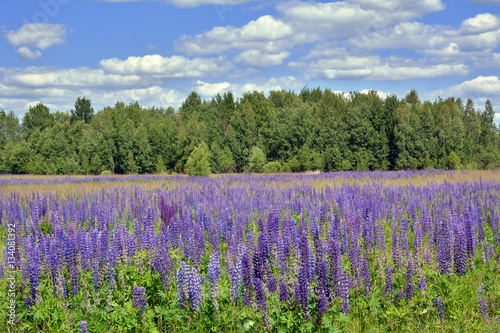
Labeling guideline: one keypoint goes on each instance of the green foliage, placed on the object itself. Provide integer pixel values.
(197, 163)
(37, 117)
(83, 110)
(10, 129)
(454, 161)
(131, 165)
(346, 165)
(286, 167)
(160, 165)
(257, 160)
(96, 165)
(226, 162)
(272, 167)
(312, 130)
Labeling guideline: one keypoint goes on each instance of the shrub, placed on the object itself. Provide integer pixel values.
(197, 163)
(272, 167)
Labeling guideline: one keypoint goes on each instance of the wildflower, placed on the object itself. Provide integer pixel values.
(83, 326)
(483, 305)
(439, 304)
(139, 298)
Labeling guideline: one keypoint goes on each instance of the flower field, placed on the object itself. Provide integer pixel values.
(336, 252)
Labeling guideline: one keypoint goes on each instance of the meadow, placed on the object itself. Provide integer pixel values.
(329, 252)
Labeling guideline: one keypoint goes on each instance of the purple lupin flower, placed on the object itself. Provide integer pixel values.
(321, 307)
(181, 287)
(365, 273)
(83, 326)
(260, 297)
(233, 268)
(409, 280)
(388, 288)
(247, 279)
(344, 291)
(283, 291)
(302, 291)
(74, 281)
(188, 287)
(460, 251)
(422, 283)
(213, 278)
(483, 305)
(139, 298)
(213, 269)
(439, 304)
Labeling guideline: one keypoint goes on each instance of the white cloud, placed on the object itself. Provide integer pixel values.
(380, 94)
(257, 59)
(375, 68)
(265, 34)
(491, 61)
(175, 67)
(21, 99)
(475, 38)
(53, 77)
(36, 35)
(150, 96)
(480, 23)
(39, 35)
(208, 90)
(211, 89)
(480, 87)
(349, 18)
(26, 53)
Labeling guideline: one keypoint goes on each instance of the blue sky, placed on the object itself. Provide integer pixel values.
(158, 51)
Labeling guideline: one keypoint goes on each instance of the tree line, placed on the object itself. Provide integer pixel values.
(285, 131)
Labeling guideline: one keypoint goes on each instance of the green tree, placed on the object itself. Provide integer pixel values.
(257, 160)
(10, 129)
(454, 161)
(332, 159)
(160, 165)
(272, 167)
(96, 165)
(83, 110)
(131, 165)
(197, 163)
(37, 117)
(227, 161)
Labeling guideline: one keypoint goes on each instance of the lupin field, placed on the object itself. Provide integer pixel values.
(329, 252)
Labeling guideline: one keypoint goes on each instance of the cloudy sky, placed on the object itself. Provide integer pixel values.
(158, 51)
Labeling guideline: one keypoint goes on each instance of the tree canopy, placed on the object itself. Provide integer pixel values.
(281, 132)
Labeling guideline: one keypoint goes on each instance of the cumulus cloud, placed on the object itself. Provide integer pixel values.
(26, 53)
(349, 18)
(54, 77)
(481, 86)
(479, 89)
(40, 36)
(265, 34)
(175, 67)
(211, 89)
(150, 96)
(480, 23)
(375, 68)
(476, 37)
(262, 85)
(20, 98)
(258, 59)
